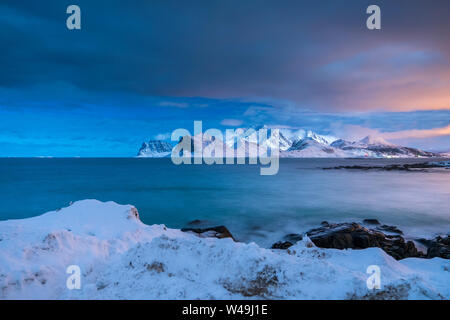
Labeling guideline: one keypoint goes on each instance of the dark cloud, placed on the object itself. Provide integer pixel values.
(141, 68)
(317, 54)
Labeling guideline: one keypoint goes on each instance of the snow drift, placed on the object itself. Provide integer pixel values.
(122, 258)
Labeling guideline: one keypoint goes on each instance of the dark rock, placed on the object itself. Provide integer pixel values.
(288, 241)
(197, 222)
(424, 241)
(293, 237)
(401, 167)
(438, 247)
(219, 232)
(392, 229)
(371, 221)
(282, 245)
(445, 240)
(355, 236)
(342, 236)
(324, 224)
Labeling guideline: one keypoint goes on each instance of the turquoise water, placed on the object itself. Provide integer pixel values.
(254, 207)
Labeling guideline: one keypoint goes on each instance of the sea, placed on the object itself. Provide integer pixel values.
(255, 208)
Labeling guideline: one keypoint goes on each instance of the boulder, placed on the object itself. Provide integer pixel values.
(219, 232)
(355, 236)
(437, 247)
(324, 223)
(288, 241)
(392, 229)
(371, 221)
(345, 235)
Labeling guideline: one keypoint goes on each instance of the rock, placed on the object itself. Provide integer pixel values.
(355, 236)
(438, 247)
(197, 222)
(398, 248)
(392, 229)
(288, 241)
(343, 236)
(219, 232)
(293, 237)
(371, 221)
(401, 167)
(445, 240)
(282, 245)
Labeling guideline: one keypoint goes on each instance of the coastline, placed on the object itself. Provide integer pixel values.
(122, 258)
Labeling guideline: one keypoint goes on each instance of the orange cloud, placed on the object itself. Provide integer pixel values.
(426, 133)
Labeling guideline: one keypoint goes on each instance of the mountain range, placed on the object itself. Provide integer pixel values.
(301, 144)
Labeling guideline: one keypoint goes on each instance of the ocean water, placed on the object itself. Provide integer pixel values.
(254, 207)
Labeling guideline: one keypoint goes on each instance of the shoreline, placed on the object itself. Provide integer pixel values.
(122, 258)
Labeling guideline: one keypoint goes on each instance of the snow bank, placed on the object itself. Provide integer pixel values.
(122, 258)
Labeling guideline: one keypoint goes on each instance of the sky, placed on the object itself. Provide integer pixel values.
(137, 70)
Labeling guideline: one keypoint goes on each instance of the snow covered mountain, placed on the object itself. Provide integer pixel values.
(209, 145)
(249, 137)
(376, 147)
(313, 145)
(297, 144)
(155, 149)
(311, 148)
(302, 134)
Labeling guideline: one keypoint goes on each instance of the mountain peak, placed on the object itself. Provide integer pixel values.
(311, 135)
(369, 140)
(155, 149)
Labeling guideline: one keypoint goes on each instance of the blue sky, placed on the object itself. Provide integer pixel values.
(138, 70)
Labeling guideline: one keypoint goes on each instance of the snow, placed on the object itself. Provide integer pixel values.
(155, 149)
(373, 140)
(249, 137)
(311, 148)
(122, 258)
(301, 134)
(314, 151)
